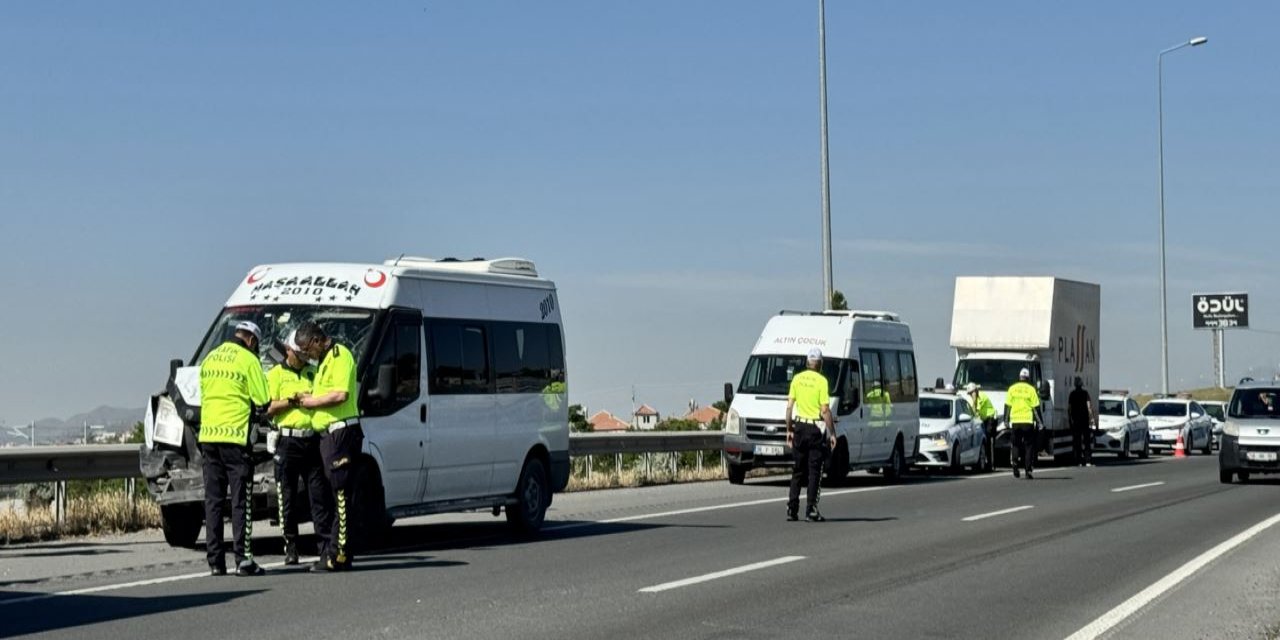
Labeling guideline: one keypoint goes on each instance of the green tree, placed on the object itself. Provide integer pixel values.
(578, 419)
(721, 405)
(677, 424)
(838, 301)
(135, 434)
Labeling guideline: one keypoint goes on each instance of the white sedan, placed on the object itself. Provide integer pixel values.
(950, 436)
(1122, 429)
(1170, 417)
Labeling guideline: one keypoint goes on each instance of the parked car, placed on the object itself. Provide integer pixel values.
(1122, 429)
(1251, 435)
(1169, 417)
(1218, 411)
(950, 436)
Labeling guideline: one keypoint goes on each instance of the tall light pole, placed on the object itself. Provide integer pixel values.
(1164, 289)
(828, 290)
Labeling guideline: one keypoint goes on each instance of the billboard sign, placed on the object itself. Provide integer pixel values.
(1220, 310)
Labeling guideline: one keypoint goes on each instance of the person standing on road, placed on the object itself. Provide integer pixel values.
(1080, 415)
(298, 451)
(811, 435)
(986, 414)
(232, 389)
(1021, 406)
(337, 416)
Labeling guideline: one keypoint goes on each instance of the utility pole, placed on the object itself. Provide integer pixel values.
(828, 288)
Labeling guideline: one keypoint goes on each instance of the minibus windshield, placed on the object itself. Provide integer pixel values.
(347, 326)
(770, 375)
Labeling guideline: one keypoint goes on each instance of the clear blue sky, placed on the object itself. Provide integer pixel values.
(659, 160)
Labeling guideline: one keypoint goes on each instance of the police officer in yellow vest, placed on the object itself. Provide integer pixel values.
(232, 390)
(1021, 413)
(337, 415)
(810, 434)
(985, 412)
(297, 452)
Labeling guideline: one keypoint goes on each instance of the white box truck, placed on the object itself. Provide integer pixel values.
(1000, 325)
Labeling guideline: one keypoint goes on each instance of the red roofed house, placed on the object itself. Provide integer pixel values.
(606, 422)
(704, 416)
(646, 418)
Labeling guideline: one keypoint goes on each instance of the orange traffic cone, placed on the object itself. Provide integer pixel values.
(1179, 448)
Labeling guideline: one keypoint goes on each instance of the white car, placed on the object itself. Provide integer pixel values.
(1122, 429)
(1169, 417)
(950, 436)
(1218, 411)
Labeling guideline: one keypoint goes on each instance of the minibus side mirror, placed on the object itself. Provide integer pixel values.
(383, 388)
(728, 393)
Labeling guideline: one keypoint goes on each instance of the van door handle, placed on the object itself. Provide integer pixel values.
(422, 413)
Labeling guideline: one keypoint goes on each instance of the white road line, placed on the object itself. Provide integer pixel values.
(667, 586)
(1136, 486)
(715, 507)
(129, 585)
(1117, 615)
(984, 516)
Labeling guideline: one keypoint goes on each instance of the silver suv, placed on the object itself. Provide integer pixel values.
(1251, 434)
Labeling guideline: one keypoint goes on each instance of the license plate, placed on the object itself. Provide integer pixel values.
(768, 450)
(1261, 456)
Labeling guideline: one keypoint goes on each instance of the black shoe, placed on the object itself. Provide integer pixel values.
(249, 568)
(1016, 473)
(1029, 476)
(814, 516)
(323, 565)
(215, 570)
(290, 553)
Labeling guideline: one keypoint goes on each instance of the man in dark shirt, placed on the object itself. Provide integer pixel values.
(1080, 415)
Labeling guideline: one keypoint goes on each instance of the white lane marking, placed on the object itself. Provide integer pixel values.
(666, 586)
(1127, 608)
(715, 507)
(984, 516)
(129, 585)
(1136, 486)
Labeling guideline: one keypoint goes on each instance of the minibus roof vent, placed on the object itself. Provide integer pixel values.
(873, 315)
(504, 266)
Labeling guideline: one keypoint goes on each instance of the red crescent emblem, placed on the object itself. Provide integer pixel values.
(257, 275)
(375, 281)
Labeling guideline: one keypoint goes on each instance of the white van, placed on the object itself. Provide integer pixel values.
(462, 387)
(870, 363)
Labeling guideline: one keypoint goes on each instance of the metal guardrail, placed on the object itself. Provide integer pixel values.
(20, 465)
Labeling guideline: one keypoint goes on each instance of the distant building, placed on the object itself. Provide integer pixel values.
(704, 416)
(645, 418)
(603, 421)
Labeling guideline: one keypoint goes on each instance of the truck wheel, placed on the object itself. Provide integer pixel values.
(737, 473)
(181, 523)
(533, 495)
(897, 466)
(1225, 476)
(838, 465)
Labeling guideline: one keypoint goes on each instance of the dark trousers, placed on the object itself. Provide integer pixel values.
(1082, 442)
(989, 428)
(228, 467)
(340, 451)
(1023, 447)
(809, 448)
(298, 459)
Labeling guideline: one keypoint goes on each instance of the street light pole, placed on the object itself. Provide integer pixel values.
(828, 290)
(1164, 289)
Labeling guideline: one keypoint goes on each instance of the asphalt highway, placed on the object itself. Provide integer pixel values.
(1138, 549)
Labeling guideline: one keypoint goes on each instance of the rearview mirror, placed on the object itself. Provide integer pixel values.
(728, 393)
(382, 389)
(964, 417)
(1133, 414)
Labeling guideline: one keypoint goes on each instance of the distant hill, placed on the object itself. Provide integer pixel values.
(54, 430)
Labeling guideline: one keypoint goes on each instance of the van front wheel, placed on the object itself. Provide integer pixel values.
(897, 466)
(737, 473)
(533, 496)
(838, 465)
(181, 523)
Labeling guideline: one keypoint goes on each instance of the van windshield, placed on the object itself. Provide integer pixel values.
(1166, 410)
(350, 327)
(1111, 407)
(996, 375)
(1256, 403)
(935, 409)
(771, 375)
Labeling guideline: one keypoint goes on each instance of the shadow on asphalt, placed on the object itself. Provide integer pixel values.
(65, 612)
(85, 551)
(861, 519)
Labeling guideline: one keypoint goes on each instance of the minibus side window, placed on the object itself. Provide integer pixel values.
(401, 349)
(459, 357)
(907, 367)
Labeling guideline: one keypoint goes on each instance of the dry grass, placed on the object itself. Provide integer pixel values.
(637, 477)
(1211, 393)
(101, 513)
